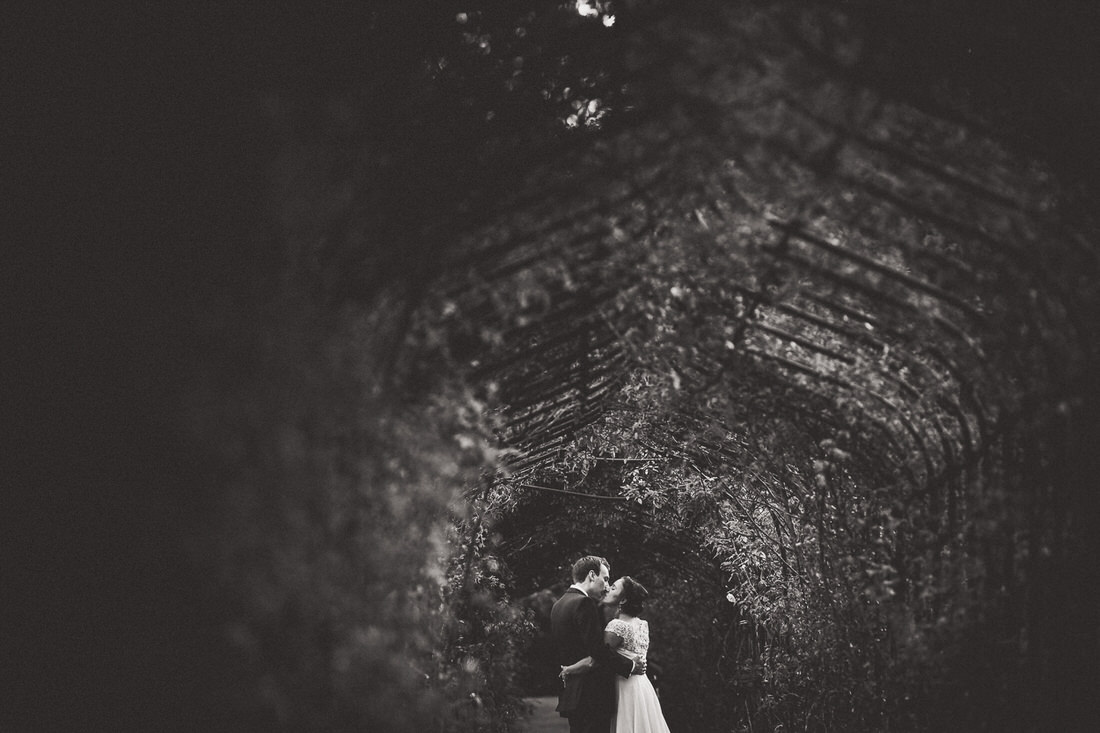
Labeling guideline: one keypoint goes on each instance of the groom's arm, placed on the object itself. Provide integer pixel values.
(620, 665)
(614, 641)
(599, 650)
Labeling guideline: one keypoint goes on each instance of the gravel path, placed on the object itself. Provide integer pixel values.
(544, 719)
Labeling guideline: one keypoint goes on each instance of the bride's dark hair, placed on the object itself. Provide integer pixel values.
(634, 593)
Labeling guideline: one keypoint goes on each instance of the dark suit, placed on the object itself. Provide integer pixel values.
(587, 699)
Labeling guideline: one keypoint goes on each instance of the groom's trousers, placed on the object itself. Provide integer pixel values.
(590, 724)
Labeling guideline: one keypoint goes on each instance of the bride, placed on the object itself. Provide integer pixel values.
(639, 710)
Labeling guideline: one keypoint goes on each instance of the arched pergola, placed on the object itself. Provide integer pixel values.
(772, 247)
(790, 306)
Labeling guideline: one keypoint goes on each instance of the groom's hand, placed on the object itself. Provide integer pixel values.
(639, 667)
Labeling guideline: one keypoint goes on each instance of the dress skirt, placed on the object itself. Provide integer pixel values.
(639, 709)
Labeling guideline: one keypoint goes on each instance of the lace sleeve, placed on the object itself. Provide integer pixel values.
(641, 639)
(617, 627)
(624, 631)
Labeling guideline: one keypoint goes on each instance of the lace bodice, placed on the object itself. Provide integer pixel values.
(634, 633)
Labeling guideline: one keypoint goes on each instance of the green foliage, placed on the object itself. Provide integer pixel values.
(844, 355)
(329, 549)
(479, 659)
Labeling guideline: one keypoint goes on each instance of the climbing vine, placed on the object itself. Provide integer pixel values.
(772, 303)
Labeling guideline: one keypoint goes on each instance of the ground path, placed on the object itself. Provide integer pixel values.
(544, 719)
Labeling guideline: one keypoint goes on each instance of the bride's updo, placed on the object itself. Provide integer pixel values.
(634, 593)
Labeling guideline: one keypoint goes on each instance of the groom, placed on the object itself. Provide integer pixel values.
(576, 624)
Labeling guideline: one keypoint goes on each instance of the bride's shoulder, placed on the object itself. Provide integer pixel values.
(615, 624)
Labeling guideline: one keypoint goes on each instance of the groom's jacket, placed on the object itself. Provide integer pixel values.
(576, 625)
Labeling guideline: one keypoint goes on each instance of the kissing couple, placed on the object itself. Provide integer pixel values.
(604, 685)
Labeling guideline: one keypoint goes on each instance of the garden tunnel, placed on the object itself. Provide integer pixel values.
(821, 338)
(787, 308)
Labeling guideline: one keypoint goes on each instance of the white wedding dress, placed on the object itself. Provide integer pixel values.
(639, 710)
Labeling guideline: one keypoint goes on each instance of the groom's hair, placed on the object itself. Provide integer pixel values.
(587, 564)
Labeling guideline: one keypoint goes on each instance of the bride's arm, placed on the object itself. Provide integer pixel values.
(615, 643)
(578, 667)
